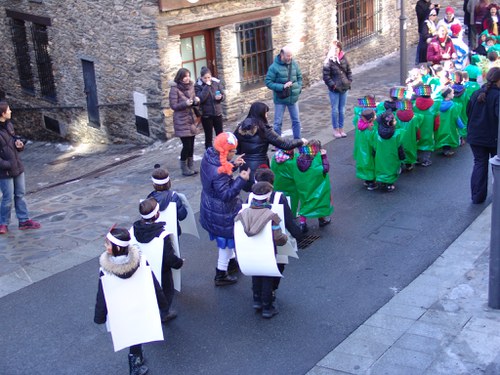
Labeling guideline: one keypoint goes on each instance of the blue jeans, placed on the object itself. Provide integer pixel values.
(337, 101)
(279, 111)
(13, 188)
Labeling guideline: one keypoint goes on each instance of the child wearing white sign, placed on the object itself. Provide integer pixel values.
(148, 229)
(123, 263)
(254, 219)
(163, 195)
(267, 175)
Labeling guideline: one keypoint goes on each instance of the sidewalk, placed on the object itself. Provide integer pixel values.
(439, 324)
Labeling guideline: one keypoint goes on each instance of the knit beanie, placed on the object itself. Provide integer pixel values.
(224, 143)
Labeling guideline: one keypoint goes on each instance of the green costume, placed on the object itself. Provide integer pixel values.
(425, 107)
(284, 180)
(447, 134)
(408, 128)
(387, 162)
(461, 99)
(314, 190)
(363, 154)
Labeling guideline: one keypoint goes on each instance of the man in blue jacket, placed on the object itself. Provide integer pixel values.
(285, 79)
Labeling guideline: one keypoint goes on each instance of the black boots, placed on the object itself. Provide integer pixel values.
(223, 278)
(269, 310)
(135, 363)
(233, 266)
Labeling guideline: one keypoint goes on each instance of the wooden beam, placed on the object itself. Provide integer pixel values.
(166, 5)
(222, 21)
(28, 17)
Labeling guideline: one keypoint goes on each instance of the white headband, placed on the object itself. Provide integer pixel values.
(160, 182)
(262, 197)
(152, 213)
(116, 241)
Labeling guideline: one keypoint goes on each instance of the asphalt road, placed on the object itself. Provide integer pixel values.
(376, 245)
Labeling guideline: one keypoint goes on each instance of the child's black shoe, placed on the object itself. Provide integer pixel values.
(323, 221)
(303, 227)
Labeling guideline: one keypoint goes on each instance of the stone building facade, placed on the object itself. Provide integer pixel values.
(99, 71)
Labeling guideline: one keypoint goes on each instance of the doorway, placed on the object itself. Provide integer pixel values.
(197, 51)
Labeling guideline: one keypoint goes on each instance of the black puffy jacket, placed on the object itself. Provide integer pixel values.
(253, 141)
(208, 105)
(337, 75)
(220, 200)
(10, 163)
(482, 128)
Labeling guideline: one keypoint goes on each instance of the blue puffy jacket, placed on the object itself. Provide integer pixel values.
(220, 201)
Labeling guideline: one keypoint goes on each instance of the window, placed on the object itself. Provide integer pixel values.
(19, 23)
(43, 61)
(21, 50)
(255, 50)
(357, 21)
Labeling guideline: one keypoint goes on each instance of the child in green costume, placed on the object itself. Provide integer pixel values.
(363, 151)
(408, 123)
(460, 97)
(388, 151)
(313, 185)
(424, 106)
(283, 165)
(446, 136)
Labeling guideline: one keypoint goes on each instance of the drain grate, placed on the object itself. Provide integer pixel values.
(307, 240)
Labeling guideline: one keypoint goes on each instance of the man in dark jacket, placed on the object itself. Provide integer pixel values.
(285, 79)
(12, 183)
(482, 132)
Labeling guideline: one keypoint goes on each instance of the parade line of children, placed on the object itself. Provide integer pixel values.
(427, 115)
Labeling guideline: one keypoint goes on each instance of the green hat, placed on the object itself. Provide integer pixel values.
(474, 59)
(473, 71)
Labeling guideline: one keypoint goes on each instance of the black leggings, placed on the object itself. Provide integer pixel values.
(208, 123)
(187, 147)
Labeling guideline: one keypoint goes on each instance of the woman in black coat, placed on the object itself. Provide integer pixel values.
(211, 93)
(482, 132)
(254, 135)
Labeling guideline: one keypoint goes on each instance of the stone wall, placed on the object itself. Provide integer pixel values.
(120, 38)
(132, 50)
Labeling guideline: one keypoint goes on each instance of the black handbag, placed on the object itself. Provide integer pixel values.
(287, 91)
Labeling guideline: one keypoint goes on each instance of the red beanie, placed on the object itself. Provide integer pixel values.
(449, 10)
(455, 29)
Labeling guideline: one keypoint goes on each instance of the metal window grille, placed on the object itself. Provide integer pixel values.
(43, 61)
(357, 21)
(255, 51)
(21, 51)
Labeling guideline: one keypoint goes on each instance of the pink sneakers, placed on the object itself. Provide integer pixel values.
(29, 224)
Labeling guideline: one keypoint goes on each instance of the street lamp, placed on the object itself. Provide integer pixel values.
(494, 280)
(403, 66)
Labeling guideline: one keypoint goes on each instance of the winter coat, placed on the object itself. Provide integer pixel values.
(422, 8)
(337, 75)
(184, 116)
(10, 163)
(123, 271)
(220, 200)
(435, 50)
(164, 197)
(449, 123)
(482, 129)
(277, 76)
(209, 106)
(253, 141)
(254, 219)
